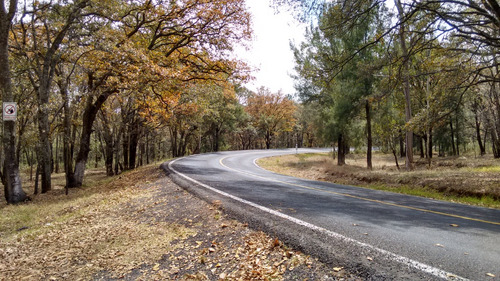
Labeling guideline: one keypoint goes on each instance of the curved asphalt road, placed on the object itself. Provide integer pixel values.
(423, 238)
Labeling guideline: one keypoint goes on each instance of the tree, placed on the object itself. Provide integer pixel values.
(11, 180)
(271, 113)
(179, 41)
(438, 80)
(342, 85)
(40, 44)
(221, 115)
(406, 84)
(78, 55)
(476, 24)
(419, 26)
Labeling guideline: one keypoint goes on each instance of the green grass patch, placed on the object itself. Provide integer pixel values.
(487, 169)
(484, 201)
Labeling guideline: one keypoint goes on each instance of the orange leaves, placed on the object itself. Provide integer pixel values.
(209, 26)
(271, 113)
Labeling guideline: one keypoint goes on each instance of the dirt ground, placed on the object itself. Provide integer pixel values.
(473, 180)
(141, 226)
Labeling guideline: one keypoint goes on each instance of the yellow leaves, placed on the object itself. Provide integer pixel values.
(271, 112)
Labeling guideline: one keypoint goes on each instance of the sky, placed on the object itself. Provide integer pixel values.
(270, 49)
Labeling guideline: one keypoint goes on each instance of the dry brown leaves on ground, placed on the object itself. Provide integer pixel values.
(140, 226)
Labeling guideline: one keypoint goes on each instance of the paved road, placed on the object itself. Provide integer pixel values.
(402, 237)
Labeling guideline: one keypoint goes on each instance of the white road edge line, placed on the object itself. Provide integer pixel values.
(395, 257)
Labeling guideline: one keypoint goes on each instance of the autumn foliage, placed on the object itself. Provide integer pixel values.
(272, 113)
(127, 83)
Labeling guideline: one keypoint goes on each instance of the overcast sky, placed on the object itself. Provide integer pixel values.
(270, 50)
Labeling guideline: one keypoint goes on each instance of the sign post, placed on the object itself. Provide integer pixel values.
(9, 111)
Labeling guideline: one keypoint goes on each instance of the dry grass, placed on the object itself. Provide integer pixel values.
(140, 226)
(468, 180)
(71, 237)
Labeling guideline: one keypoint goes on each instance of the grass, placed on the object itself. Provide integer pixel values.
(55, 234)
(488, 169)
(473, 181)
(484, 201)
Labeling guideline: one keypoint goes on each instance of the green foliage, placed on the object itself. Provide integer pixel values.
(331, 75)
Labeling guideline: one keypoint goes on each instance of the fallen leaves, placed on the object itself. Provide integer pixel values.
(276, 243)
(97, 233)
(126, 228)
(490, 274)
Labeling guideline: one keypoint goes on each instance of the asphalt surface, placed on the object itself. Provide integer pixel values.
(380, 235)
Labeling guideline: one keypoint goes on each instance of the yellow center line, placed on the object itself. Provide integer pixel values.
(358, 197)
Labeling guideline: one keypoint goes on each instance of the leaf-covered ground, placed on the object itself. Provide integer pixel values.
(141, 226)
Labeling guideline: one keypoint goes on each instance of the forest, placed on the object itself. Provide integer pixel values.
(120, 84)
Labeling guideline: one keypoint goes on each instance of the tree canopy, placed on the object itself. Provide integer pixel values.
(119, 84)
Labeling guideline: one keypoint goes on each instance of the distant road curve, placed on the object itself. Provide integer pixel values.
(380, 234)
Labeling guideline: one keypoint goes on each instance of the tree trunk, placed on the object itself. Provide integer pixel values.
(96, 154)
(482, 149)
(108, 145)
(457, 135)
(44, 154)
(429, 147)
(108, 151)
(268, 140)
(22, 125)
(173, 140)
(421, 146)
(89, 116)
(116, 148)
(30, 162)
(495, 143)
(14, 192)
(217, 138)
(392, 145)
(68, 138)
(402, 150)
(341, 150)
(147, 147)
(56, 158)
(454, 149)
(406, 87)
(369, 140)
(142, 151)
(485, 138)
(37, 174)
(132, 144)
(125, 148)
